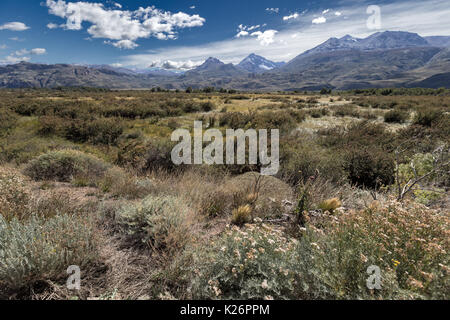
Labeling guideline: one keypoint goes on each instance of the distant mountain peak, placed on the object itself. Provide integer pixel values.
(257, 64)
(212, 60)
(349, 38)
(377, 41)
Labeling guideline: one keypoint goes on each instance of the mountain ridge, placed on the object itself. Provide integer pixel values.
(391, 58)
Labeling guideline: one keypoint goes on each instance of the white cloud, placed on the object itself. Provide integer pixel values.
(21, 52)
(192, 7)
(118, 5)
(35, 51)
(12, 59)
(244, 31)
(176, 65)
(15, 39)
(116, 65)
(3, 46)
(273, 10)
(326, 11)
(338, 13)
(242, 34)
(22, 55)
(123, 27)
(265, 38)
(38, 51)
(123, 44)
(319, 20)
(14, 26)
(52, 26)
(292, 16)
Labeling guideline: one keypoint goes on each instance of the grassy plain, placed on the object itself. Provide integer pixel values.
(86, 179)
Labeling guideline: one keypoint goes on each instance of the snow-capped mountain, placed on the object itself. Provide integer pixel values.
(378, 41)
(257, 64)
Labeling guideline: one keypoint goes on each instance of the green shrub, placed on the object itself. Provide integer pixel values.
(120, 183)
(99, 131)
(252, 263)
(64, 165)
(7, 120)
(427, 118)
(299, 160)
(207, 106)
(159, 222)
(234, 120)
(153, 155)
(319, 113)
(49, 125)
(285, 121)
(40, 250)
(359, 134)
(396, 116)
(347, 111)
(369, 167)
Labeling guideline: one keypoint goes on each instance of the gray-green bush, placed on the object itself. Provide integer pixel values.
(64, 165)
(42, 249)
(158, 221)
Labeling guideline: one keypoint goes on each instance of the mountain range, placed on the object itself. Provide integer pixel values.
(384, 59)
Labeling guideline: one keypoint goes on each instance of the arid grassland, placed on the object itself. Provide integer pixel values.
(86, 179)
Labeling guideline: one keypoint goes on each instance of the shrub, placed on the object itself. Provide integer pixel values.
(369, 167)
(120, 183)
(406, 241)
(319, 113)
(64, 165)
(252, 263)
(151, 155)
(99, 131)
(234, 120)
(14, 194)
(427, 118)
(49, 125)
(159, 222)
(7, 120)
(347, 111)
(215, 202)
(207, 106)
(285, 121)
(299, 160)
(396, 116)
(40, 250)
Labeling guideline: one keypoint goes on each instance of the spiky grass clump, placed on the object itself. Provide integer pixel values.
(330, 205)
(242, 215)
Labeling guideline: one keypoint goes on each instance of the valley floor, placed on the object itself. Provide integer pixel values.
(86, 179)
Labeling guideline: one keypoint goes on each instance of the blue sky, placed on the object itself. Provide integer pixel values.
(182, 34)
